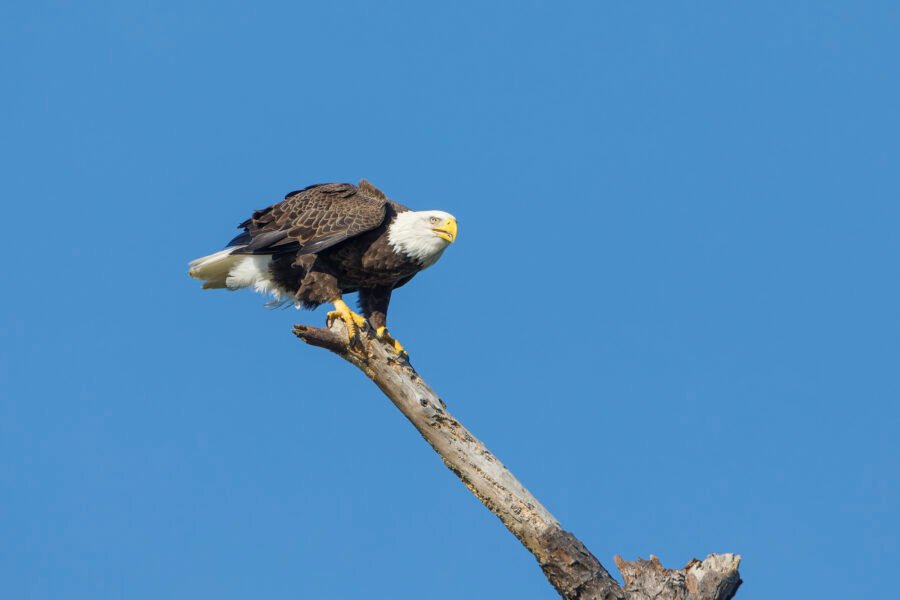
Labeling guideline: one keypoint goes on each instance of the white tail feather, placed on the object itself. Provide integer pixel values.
(214, 269)
(235, 271)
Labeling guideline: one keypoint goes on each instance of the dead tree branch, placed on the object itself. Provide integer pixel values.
(568, 564)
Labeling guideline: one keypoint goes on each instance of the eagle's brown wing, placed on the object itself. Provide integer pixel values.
(313, 219)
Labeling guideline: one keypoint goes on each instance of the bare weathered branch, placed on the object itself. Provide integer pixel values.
(568, 564)
(715, 577)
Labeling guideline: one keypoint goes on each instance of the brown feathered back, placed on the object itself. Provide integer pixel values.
(313, 219)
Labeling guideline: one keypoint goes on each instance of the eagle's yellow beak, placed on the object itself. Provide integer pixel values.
(446, 230)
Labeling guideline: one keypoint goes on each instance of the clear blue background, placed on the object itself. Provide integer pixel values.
(672, 310)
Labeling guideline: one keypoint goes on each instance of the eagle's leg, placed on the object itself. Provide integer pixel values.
(353, 321)
(383, 335)
(374, 304)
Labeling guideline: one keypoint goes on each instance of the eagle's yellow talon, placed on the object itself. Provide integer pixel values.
(354, 322)
(383, 335)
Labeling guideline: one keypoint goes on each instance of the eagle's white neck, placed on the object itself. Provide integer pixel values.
(410, 234)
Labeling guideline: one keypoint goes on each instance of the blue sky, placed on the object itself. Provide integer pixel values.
(672, 310)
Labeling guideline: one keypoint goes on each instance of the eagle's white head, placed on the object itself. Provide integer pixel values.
(422, 235)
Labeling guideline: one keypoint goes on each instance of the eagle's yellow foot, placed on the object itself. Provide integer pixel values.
(353, 321)
(384, 336)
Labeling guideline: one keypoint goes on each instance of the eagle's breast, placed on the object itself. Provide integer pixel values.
(370, 261)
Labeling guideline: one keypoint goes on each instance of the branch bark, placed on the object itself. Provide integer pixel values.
(567, 563)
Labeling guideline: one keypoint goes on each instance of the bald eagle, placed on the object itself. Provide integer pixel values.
(328, 240)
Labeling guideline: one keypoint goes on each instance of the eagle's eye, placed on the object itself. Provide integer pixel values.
(434, 220)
